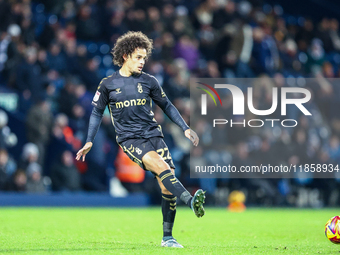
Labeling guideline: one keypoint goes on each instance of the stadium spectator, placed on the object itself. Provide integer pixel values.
(90, 74)
(63, 133)
(7, 138)
(65, 175)
(56, 59)
(88, 26)
(35, 181)
(186, 48)
(29, 80)
(8, 168)
(30, 154)
(39, 125)
(10, 42)
(18, 181)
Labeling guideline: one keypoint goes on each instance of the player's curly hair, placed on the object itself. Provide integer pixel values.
(127, 43)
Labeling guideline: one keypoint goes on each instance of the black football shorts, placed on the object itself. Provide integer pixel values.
(137, 148)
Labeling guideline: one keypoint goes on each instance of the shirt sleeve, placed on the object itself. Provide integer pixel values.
(158, 96)
(94, 123)
(101, 97)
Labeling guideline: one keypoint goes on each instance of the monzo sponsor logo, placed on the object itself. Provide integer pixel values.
(131, 102)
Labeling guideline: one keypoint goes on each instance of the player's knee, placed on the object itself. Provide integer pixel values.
(155, 163)
(159, 166)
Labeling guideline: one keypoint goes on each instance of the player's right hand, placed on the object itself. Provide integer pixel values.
(83, 151)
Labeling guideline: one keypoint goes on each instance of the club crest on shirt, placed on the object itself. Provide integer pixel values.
(140, 88)
(96, 96)
(118, 91)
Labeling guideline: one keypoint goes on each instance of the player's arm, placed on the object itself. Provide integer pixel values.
(159, 97)
(94, 124)
(100, 100)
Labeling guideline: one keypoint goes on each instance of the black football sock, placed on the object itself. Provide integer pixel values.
(169, 213)
(172, 184)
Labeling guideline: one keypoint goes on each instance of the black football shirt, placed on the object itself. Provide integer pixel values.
(130, 105)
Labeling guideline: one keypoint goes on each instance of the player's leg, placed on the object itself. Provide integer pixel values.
(169, 213)
(168, 208)
(144, 153)
(153, 162)
(156, 164)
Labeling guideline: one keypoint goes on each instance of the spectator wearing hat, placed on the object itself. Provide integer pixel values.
(35, 181)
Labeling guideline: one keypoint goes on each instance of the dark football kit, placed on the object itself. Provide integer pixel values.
(129, 100)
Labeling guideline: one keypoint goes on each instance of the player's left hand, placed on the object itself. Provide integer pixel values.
(191, 134)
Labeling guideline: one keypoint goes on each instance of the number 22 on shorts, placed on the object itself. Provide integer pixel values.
(161, 153)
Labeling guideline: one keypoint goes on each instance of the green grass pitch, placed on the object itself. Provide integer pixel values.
(139, 231)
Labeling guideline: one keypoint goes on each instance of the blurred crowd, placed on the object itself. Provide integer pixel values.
(53, 54)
